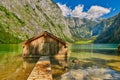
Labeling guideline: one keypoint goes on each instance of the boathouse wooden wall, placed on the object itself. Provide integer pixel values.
(44, 45)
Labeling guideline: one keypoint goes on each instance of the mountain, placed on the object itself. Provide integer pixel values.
(23, 19)
(112, 34)
(102, 26)
(81, 28)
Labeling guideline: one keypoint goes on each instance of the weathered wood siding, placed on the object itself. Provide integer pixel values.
(44, 46)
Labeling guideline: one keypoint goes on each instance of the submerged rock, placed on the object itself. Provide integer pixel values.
(73, 75)
(91, 73)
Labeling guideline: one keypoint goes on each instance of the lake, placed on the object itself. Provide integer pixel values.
(93, 62)
(93, 56)
(12, 65)
(98, 54)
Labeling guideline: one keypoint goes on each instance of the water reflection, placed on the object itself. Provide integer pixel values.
(59, 66)
(28, 65)
(93, 62)
(16, 68)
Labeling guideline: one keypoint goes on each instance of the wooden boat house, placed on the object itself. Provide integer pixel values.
(45, 44)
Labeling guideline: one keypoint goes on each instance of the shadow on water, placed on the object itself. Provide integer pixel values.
(107, 52)
(31, 60)
(14, 67)
(59, 66)
(100, 62)
(28, 65)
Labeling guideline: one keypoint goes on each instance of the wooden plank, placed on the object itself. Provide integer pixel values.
(42, 70)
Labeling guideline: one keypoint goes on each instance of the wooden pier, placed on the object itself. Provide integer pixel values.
(45, 45)
(42, 70)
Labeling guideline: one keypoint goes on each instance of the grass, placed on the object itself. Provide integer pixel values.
(85, 41)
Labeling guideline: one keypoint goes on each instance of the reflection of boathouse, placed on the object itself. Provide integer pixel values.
(44, 44)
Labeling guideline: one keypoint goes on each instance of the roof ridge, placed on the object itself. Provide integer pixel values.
(43, 34)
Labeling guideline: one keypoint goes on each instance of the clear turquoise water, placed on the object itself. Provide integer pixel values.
(95, 46)
(14, 67)
(94, 57)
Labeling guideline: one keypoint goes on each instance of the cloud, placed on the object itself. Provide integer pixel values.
(65, 10)
(78, 12)
(93, 13)
(96, 11)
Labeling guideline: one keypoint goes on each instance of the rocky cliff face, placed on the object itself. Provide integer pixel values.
(81, 28)
(23, 19)
(112, 34)
(102, 26)
(107, 30)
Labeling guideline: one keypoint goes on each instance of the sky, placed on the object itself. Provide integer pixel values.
(91, 9)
